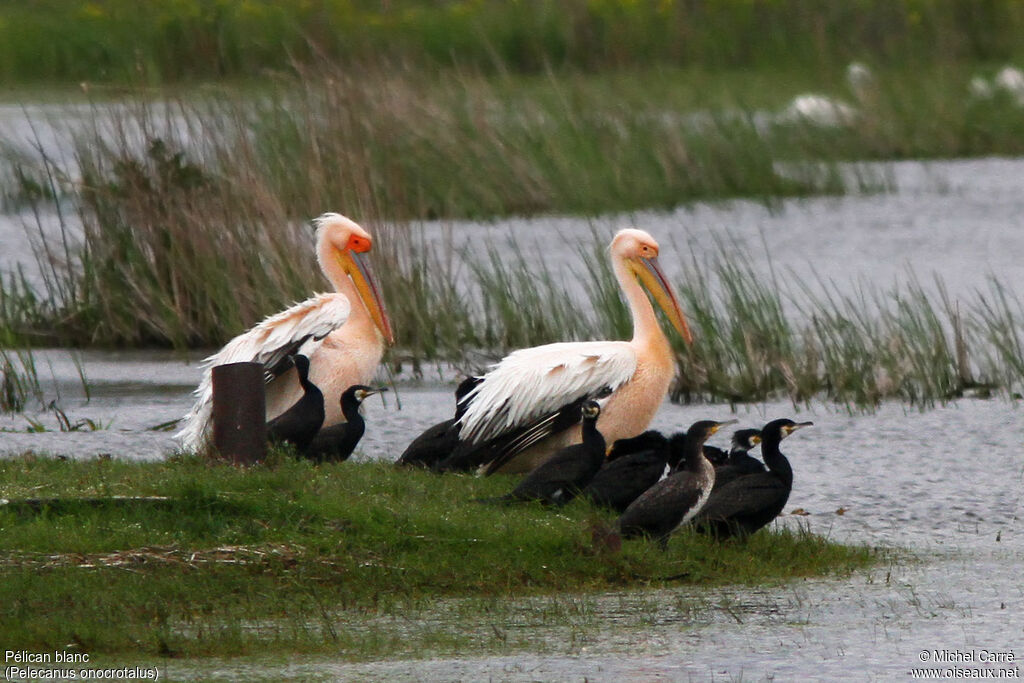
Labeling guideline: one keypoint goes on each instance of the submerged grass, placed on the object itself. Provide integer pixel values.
(209, 559)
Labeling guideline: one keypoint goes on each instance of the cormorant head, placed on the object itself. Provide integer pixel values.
(465, 386)
(591, 410)
(353, 397)
(745, 439)
(780, 429)
(699, 432)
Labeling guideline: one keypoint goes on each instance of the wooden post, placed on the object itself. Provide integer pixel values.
(239, 412)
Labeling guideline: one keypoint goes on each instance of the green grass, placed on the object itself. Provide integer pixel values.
(168, 40)
(293, 557)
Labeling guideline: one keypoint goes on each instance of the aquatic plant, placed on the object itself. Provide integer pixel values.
(18, 379)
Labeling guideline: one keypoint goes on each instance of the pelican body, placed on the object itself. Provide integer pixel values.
(528, 406)
(343, 333)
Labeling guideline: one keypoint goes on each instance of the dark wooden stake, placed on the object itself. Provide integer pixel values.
(239, 412)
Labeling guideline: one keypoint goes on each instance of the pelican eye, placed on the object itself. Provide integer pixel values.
(358, 244)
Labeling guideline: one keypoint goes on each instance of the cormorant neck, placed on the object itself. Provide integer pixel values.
(592, 437)
(350, 409)
(777, 463)
(737, 454)
(694, 454)
(308, 388)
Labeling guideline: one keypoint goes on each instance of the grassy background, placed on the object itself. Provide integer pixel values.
(167, 40)
(293, 557)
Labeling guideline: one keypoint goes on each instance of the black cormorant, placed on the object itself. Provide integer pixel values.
(560, 478)
(739, 462)
(497, 452)
(715, 455)
(749, 502)
(632, 466)
(438, 441)
(336, 443)
(300, 423)
(675, 499)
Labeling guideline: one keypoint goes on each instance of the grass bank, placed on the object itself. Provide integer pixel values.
(165, 40)
(291, 557)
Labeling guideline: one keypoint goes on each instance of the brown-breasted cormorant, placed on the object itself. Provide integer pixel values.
(675, 499)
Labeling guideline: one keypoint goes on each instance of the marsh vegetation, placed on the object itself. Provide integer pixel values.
(180, 213)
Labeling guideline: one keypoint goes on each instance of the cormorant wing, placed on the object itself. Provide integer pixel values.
(743, 495)
(662, 507)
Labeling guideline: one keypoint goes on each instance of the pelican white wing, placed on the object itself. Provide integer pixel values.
(268, 343)
(531, 383)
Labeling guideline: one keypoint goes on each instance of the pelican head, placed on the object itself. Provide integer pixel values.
(345, 240)
(639, 252)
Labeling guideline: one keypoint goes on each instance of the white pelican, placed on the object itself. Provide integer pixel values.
(342, 333)
(528, 406)
(831, 112)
